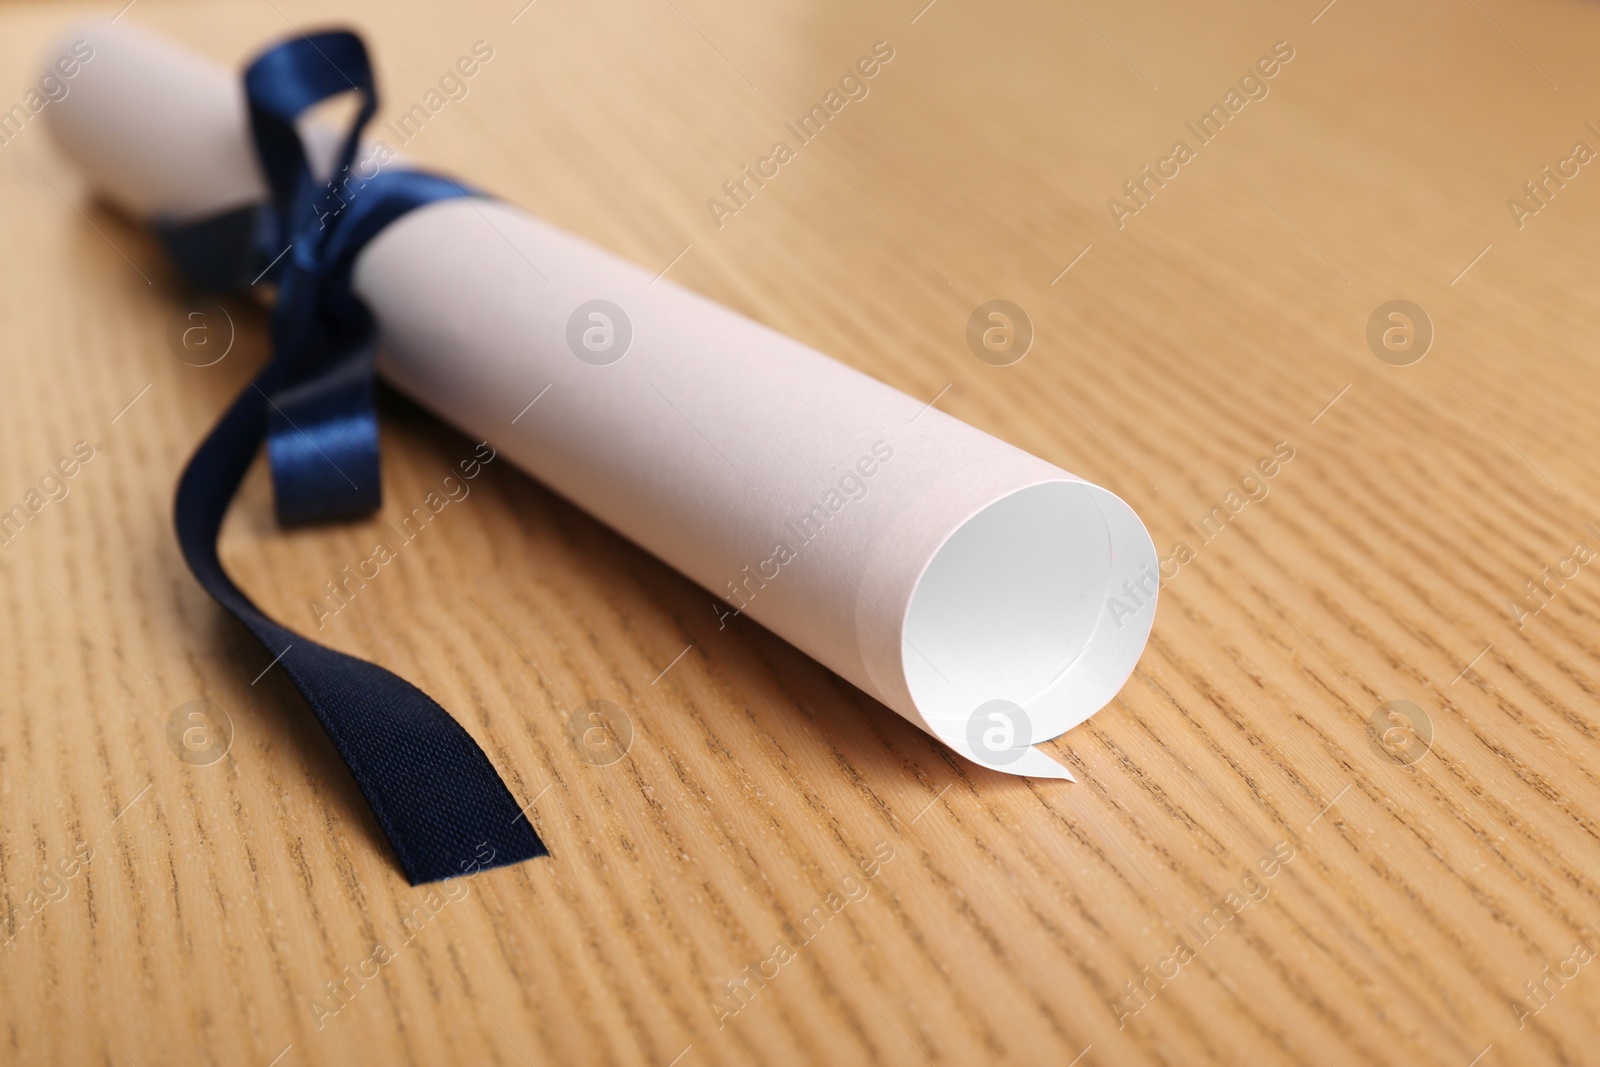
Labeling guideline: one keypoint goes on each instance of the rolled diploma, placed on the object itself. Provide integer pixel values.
(932, 565)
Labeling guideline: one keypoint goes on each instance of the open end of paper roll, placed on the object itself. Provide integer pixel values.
(1028, 620)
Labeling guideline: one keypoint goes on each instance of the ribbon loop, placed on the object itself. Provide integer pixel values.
(435, 794)
(285, 82)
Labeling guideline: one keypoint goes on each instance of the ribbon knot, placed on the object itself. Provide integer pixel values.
(438, 799)
(322, 431)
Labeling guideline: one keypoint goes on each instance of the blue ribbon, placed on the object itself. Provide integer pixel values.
(432, 789)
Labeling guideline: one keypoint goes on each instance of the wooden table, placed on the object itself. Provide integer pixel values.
(1265, 860)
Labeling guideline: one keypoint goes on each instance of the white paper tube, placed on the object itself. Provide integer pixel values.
(934, 566)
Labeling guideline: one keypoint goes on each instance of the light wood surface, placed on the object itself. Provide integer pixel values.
(1413, 905)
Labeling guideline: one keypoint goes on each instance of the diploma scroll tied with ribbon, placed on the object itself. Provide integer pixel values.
(987, 596)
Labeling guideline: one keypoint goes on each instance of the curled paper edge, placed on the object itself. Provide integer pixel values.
(1093, 673)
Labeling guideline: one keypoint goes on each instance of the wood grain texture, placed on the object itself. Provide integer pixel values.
(1440, 910)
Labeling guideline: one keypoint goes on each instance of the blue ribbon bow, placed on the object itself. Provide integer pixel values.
(433, 791)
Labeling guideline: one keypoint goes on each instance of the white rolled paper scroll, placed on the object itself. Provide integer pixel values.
(955, 578)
